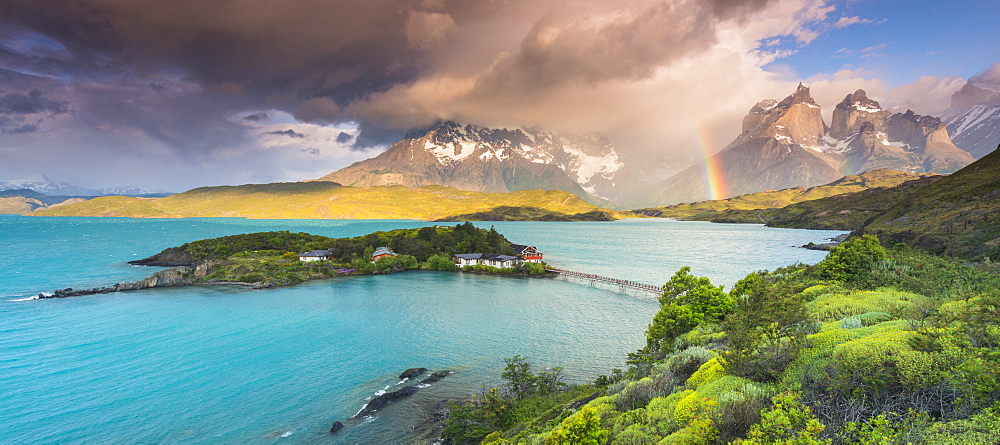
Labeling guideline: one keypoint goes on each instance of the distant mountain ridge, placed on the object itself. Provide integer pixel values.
(41, 184)
(786, 144)
(492, 160)
(974, 119)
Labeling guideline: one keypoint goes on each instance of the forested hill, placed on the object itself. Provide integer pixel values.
(419, 243)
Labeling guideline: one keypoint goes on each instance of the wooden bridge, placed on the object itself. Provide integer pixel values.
(623, 285)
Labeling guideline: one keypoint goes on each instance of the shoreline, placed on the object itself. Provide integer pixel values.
(177, 277)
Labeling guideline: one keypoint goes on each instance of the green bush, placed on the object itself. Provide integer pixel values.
(853, 261)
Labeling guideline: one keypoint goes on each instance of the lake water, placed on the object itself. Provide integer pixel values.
(226, 365)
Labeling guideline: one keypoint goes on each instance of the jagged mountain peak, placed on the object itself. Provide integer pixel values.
(859, 100)
(800, 96)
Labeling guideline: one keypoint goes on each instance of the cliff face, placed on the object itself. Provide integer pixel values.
(786, 144)
(974, 119)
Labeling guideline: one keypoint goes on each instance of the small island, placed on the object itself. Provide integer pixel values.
(272, 259)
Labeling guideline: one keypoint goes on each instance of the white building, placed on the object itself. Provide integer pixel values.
(486, 259)
(316, 255)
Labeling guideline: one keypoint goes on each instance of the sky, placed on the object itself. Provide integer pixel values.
(172, 95)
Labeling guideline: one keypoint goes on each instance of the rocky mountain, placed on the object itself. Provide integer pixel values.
(787, 144)
(492, 160)
(974, 119)
(41, 184)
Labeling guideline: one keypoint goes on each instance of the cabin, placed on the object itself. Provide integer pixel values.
(316, 255)
(382, 252)
(486, 259)
(530, 254)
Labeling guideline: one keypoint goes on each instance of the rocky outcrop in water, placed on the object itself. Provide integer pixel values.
(336, 427)
(412, 372)
(177, 276)
(384, 399)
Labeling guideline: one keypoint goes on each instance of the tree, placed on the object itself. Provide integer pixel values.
(686, 302)
(765, 330)
(853, 261)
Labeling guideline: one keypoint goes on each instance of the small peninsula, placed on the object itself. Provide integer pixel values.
(272, 259)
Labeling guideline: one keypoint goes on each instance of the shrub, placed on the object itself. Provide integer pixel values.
(440, 262)
(582, 428)
(853, 261)
(788, 421)
(684, 363)
(851, 323)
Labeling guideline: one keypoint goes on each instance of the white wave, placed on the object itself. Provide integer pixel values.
(423, 385)
(287, 433)
(403, 381)
(27, 299)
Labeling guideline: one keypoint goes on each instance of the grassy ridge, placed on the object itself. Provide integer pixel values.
(840, 212)
(323, 200)
(706, 210)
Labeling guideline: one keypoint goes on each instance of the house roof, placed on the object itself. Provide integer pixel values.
(520, 248)
(317, 253)
(383, 251)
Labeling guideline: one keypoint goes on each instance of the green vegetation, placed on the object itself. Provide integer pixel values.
(841, 212)
(943, 215)
(329, 200)
(271, 258)
(733, 207)
(872, 345)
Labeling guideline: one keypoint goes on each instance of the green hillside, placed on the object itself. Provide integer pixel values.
(869, 346)
(324, 200)
(956, 216)
(848, 211)
(772, 199)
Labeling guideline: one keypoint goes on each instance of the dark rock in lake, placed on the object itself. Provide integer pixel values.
(435, 377)
(383, 399)
(412, 372)
(336, 427)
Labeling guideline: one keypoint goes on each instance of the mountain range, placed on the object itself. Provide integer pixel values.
(787, 144)
(492, 160)
(782, 144)
(41, 184)
(974, 119)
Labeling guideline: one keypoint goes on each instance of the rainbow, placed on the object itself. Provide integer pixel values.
(714, 176)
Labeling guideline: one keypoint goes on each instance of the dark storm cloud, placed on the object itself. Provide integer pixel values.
(344, 137)
(290, 133)
(16, 109)
(256, 117)
(314, 58)
(33, 102)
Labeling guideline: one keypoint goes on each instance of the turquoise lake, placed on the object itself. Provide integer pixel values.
(226, 365)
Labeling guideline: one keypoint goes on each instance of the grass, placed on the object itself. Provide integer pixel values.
(774, 199)
(325, 200)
